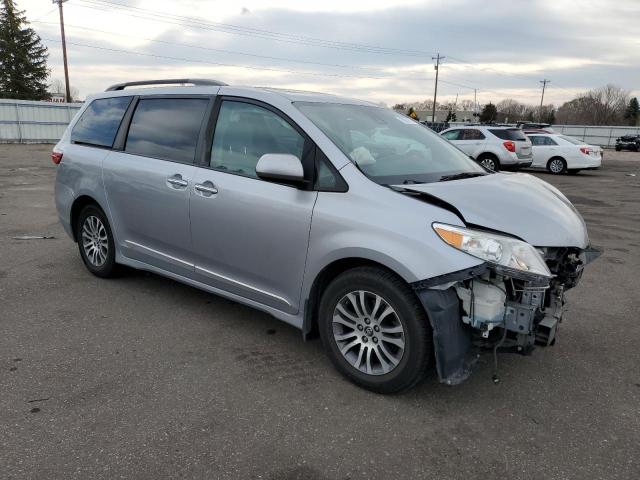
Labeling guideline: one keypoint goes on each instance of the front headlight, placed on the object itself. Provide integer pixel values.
(496, 249)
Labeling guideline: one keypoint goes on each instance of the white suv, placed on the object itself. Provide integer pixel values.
(492, 146)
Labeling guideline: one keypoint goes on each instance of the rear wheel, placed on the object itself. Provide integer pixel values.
(557, 165)
(489, 161)
(95, 242)
(375, 330)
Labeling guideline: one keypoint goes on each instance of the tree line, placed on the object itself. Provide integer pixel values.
(607, 105)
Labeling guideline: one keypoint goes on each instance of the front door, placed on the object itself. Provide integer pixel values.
(250, 236)
(148, 183)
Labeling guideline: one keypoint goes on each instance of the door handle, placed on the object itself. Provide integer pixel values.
(206, 189)
(177, 182)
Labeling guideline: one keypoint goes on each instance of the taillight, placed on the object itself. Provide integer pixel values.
(509, 145)
(586, 150)
(56, 157)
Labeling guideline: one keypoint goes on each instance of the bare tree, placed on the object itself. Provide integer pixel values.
(57, 86)
(600, 106)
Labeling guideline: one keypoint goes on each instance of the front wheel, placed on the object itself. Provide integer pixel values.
(557, 166)
(375, 330)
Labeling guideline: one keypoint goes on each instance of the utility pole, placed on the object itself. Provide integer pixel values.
(64, 50)
(475, 100)
(435, 93)
(544, 84)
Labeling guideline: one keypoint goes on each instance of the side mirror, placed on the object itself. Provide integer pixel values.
(280, 167)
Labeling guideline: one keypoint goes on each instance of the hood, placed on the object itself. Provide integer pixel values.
(518, 204)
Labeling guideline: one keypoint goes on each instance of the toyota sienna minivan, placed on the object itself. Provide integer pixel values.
(339, 217)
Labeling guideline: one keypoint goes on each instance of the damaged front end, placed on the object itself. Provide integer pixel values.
(505, 304)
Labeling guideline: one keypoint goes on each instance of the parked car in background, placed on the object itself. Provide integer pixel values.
(527, 131)
(435, 126)
(628, 142)
(563, 154)
(494, 147)
(335, 215)
(535, 126)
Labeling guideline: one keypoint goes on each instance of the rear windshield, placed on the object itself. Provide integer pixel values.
(514, 134)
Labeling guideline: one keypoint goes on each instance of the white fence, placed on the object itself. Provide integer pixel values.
(24, 121)
(600, 135)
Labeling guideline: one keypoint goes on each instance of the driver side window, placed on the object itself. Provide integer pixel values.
(244, 132)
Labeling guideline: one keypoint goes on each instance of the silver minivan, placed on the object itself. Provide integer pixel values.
(341, 218)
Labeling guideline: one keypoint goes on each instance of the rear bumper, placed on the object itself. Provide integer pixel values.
(513, 160)
(519, 164)
(586, 163)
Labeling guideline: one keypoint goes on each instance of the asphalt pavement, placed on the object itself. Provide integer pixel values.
(142, 377)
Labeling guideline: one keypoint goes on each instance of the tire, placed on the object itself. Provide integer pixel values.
(406, 324)
(557, 165)
(489, 161)
(573, 171)
(95, 242)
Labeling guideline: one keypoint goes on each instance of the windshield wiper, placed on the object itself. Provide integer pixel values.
(460, 176)
(411, 182)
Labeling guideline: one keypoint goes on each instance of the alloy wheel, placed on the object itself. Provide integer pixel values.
(556, 165)
(488, 163)
(368, 332)
(95, 241)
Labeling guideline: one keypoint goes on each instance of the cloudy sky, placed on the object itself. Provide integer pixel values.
(380, 50)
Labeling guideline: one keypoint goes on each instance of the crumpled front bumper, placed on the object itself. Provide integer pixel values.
(528, 313)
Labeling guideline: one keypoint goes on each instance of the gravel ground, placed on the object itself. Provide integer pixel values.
(145, 378)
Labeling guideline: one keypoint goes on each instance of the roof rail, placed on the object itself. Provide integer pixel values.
(192, 81)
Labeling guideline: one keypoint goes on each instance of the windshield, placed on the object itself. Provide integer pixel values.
(388, 147)
(572, 140)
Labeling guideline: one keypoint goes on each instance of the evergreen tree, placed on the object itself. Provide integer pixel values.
(632, 112)
(489, 112)
(23, 58)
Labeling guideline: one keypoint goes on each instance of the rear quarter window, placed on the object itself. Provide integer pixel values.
(514, 134)
(100, 121)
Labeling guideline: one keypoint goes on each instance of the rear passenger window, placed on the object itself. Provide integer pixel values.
(451, 135)
(99, 123)
(244, 132)
(472, 134)
(166, 128)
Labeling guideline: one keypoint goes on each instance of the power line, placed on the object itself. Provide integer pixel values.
(246, 31)
(190, 45)
(219, 64)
